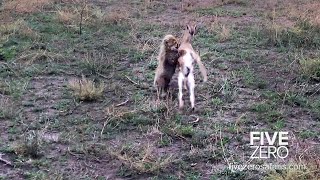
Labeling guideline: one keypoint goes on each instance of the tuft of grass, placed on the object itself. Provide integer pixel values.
(310, 68)
(7, 108)
(279, 125)
(186, 131)
(85, 89)
(144, 162)
(14, 37)
(14, 88)
(315, 108)
(95, 63)
(17, 28)
(295, 99)
(216, 102)
(116, 16)
(302, 35)
(66, 16)
(228, 90)
(31, 145)
(224, 33)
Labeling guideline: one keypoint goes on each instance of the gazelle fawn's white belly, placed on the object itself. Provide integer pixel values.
(186, 76)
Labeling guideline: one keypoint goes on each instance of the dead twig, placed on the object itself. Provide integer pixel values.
(132, 81)
(103, 75)
(175, 135)
(5, 161)
(104, 125)
(137, 84)
(222, 146)
(195, 121)
(203, 96)
(123, 103)
(73, 154)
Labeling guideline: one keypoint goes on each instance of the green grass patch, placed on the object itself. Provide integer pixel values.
(279, 125)
(186, 131)
(294, 99)
(315, 108)
(250, 79)
(221, 11)
(14, 88)
(263, 107)
(305, 134)
(302, 35)
(216, 102)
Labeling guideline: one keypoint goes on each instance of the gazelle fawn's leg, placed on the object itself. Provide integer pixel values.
(191, 85)
(180, 84)
(159, 91)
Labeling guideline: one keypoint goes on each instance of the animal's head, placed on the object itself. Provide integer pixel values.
(171, 42)
(192, 29)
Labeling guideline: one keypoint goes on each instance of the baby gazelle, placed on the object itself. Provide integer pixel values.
(167, 62)
(185, 62)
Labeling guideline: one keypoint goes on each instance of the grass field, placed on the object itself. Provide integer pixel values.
(77, 101)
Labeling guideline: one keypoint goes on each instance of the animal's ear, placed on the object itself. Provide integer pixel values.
(166, 41)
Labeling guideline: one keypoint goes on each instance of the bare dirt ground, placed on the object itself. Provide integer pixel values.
(258, 54)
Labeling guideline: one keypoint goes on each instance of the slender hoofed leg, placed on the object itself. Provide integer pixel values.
(158, 93)
(180, 84)
(191, 85)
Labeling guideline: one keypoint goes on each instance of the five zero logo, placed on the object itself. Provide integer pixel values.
(267, 145)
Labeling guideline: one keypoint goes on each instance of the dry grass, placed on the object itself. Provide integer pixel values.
(187, 5)
(291, 20)
(25, 6)
(144, 162)
(310, 173)
(85, 89)
(7, 108)
(30, 145)
(66, 17)
(38, 56)
(17, 28)
(298, 30)
(91, 15)
(310, 68)
(222, 31)
(96, 62)
(116, 16)
(3, 87)
(309, 10)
